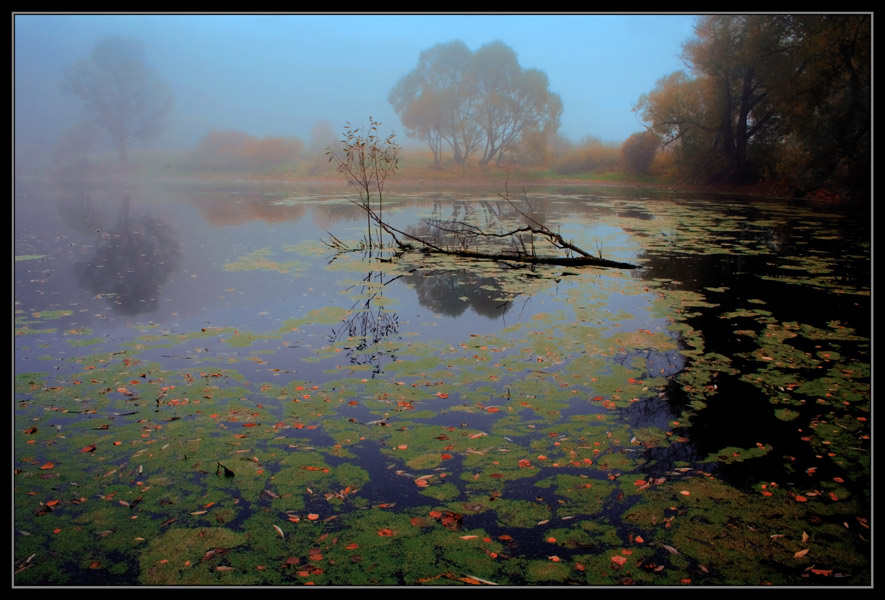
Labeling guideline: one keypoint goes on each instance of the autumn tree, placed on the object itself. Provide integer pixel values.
(638, 151)
(126, 98)
(481, 103)
(769, 95)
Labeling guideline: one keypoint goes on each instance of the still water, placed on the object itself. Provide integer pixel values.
(207, 393)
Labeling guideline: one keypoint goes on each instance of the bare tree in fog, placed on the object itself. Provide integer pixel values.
(126, 98)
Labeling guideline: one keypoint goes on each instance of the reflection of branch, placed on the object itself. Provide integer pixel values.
(369, 326)
(464, 234)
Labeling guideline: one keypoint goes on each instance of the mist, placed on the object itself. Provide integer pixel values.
(279, 75)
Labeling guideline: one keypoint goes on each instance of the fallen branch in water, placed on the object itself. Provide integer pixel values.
(461, 239)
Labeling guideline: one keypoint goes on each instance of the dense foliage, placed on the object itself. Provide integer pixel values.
(771, 96)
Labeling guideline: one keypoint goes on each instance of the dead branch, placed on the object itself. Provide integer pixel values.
(465, 234)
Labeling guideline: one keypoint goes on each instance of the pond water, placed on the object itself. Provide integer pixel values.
(206, 393)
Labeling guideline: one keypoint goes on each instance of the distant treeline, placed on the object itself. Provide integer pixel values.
(780, 99)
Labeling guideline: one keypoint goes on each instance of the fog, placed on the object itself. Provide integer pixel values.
(278, 75)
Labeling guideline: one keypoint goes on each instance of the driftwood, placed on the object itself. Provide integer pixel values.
(465, 235)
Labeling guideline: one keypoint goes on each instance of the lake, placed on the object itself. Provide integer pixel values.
(208, 393)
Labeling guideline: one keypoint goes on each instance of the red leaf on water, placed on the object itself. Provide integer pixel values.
(446, 456)
(48, 466)
(90, 448)
(385, 532)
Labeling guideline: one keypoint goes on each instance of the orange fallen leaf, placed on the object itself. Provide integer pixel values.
(312, 517)
(48, 466)
(618, 560)
(446, 456)
(801, 499)
(352, 546)
(385, 532)
(492, 409)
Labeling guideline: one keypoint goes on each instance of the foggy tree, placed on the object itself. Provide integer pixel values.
(477, 102)
(435, 101)
(514, 103)
(126, 98)
(784, 94)
(638, 151)
(322, 136)
(74, 145)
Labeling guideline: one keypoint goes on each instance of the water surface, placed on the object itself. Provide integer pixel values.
(206, 393)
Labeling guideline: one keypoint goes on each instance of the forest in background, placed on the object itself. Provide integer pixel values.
(781, 101)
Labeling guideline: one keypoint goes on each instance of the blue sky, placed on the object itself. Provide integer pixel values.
(279, 74)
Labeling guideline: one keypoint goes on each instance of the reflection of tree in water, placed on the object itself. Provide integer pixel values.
(76, 209)
(657, 363)
(451, 292)
(232, 207)
(132, 262)
(369, 326)
(460, 230)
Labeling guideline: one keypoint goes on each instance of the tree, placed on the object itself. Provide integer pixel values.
(74, 145)
(436, 100)
(514, 104)
(481, 102)
(772, 95)
(638, 151)
(367, 161)
(126, 98)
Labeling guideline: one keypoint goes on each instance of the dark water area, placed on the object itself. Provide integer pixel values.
(206, 393)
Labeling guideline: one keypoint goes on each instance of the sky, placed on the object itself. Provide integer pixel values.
(277, 75)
